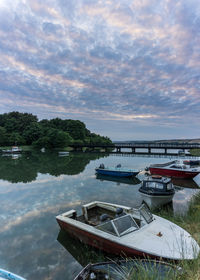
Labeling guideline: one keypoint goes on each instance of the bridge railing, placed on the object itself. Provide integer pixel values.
(142, 145)
(159, 145)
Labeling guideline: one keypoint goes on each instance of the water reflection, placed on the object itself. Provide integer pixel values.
(118, 180)
(36, 187)
(185, 183)
(27, 166)
(81, 252)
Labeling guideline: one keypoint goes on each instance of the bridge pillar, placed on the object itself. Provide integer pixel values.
(149, 150)
(165, 150)
(118, 149)
(133, 150)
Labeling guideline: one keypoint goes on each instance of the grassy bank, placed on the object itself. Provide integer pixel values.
(195, 152)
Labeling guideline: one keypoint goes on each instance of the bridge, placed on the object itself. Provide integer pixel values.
(132, 147)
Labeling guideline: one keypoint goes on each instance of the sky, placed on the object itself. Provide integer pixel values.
(128, 69)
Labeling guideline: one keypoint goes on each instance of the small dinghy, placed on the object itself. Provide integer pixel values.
(118, 171)
(62, 154)
(130, 232)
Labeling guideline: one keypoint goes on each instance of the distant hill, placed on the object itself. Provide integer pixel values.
(189, 141)
(181, 140)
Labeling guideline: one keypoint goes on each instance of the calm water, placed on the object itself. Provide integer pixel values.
(36, 187)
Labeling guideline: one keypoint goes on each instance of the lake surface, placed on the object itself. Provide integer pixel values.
(36, 187)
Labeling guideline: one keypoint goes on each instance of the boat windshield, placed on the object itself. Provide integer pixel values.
(107, 227)
(125, 224)
(178, 166)
(155, 185)
(146, 213)
(119, 226)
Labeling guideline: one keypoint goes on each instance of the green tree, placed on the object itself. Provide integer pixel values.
(54, 139)
(42, 142)
(17, 122)
(32, 133)
(15, 139)
(58, 138)
(76, 129)
(3, 136)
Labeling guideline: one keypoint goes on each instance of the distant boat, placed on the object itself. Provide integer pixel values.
(157, 190)
(181, 152)
(116, 171)
(13, 150)
(121, 269)
(43, 150)
(63, 153)
(174, 169)
(130, 232)
(7, 275)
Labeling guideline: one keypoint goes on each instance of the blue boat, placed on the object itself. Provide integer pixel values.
(116, 171)
(7, 275)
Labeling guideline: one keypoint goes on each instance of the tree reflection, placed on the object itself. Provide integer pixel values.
(26, 167)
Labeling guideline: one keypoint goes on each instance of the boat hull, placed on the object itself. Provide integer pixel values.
(156, 201)
(104, 244)
(116, 173)
(172, 173)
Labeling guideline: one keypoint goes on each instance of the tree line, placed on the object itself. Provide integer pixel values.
(25, 129)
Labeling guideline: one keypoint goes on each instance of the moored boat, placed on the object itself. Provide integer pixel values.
(157, 190)
(119, 270)
(7, 275)
(174, 169)
(118, 171)
(63, 153)
(127, 231)
(13, 150)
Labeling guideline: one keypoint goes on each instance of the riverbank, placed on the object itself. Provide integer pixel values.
(195, 152)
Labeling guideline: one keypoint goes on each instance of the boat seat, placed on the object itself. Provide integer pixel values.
(104, 218)
(119, 213)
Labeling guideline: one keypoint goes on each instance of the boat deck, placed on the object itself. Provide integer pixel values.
(94, 214)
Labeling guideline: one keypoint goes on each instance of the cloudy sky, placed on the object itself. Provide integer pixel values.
(129, 69)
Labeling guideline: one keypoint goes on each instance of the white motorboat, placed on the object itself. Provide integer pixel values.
(127, 231)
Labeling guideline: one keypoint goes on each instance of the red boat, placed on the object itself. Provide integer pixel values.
(174, 169)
